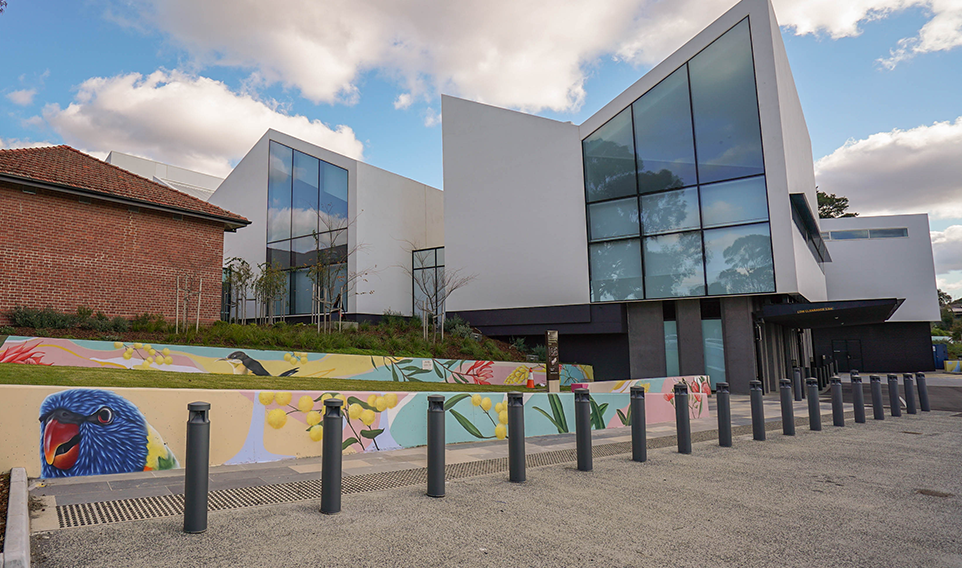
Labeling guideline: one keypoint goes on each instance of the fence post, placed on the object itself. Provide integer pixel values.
(724, 415)
(894, 402)
(198, 466)
(788, 408)
(583, 428)
(814, 412)
(639, 432)
(435, 445)
(516, 465)
(331, 457)
(858, 399)
(682, 421)
(838, 411)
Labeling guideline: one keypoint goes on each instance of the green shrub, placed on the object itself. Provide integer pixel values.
(150, 323)
(6, 330)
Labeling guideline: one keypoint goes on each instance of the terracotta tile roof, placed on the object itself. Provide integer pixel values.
(65, 166)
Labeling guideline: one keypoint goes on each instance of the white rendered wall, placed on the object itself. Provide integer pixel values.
(394, 213)
(885, 268)
(514, 208)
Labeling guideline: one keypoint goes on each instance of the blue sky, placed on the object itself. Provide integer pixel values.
(195, 83)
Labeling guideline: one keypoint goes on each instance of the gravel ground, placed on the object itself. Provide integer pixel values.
(880, 494)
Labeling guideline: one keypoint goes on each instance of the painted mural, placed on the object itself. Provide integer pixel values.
(953, 366)
(197, 359)
(94, 431)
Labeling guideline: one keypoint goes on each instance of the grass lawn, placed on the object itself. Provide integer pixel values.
(17, 374)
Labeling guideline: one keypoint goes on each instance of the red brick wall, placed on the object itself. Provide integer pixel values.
(57, 252)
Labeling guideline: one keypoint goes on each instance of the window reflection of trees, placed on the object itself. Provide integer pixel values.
(674, 265)
(610, 170)
(750, 269)
(616, 271)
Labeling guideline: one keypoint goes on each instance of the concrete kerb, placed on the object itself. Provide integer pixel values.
(16, 547)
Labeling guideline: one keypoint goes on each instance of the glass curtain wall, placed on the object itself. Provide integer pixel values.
(306, 226)
(675, 187)
(428, 281)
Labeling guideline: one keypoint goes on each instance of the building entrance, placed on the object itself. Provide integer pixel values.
(848, 354)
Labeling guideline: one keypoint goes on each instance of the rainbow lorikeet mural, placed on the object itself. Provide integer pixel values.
(96, 432)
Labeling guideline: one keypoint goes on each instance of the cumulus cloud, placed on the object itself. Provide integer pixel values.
(947, 249)
(15, 143)
(901, 171)
(23, 97)
(189, 121)
(531, 55)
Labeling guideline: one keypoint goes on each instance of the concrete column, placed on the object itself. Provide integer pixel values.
(739, 336)
(691, 345)
(646, 339)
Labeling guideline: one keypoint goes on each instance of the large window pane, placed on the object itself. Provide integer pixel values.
(714, 344)
(304, 251)
(739, 201)
(616, 271)
(424, 258)
(673, 266)
(725, 107)
(305, 202)
(279, 192)
(663, 139)
(334, 197)
(610, 159)
(303, 290)
(279, 254)
(671, 349)
(738, 260)
(669, 211)
(614, 219)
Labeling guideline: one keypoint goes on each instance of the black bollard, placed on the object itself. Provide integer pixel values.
(923, 392)
(436, 445)
(895, 405)
(797, 383)
(516, 458)
(198, 464)
(814, 412)
(758, 410)
(908, 381)
(858, 399)
(682, 421)
(583, 428)
(331, 457)
(724, 415)
(639, 432)
(838, 411)
(788, 408)
(877, 411)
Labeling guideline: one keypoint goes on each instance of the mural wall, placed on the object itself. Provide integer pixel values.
(196, 359)
(56, 432)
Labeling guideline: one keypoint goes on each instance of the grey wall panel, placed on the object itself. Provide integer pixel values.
(738, 334)
(691, 347)
(646, 340)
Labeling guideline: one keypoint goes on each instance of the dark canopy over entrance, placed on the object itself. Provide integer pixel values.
(829, 314)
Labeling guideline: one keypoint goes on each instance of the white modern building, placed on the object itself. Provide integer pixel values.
(304, 201)
(674, 232)
(195, 184)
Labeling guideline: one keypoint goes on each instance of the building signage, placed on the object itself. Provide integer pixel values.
(552, 363)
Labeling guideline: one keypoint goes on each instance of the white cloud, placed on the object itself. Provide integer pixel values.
(15, 143)
(901, 171)
(192, 122)
(531, 55)
(23, 97)
(947, 249)
(431, 117)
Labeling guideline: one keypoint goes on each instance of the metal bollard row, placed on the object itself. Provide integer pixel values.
(895, 404)
(682, 421)
(639, 433)
(758, 411)
(923, 392)
(814, 411)
(516, 463)
(724, 416)
(838, 412)
(858, 399)
(583, 429)
(908, 381)
(788, 408)
(877, 410)
(331, 457)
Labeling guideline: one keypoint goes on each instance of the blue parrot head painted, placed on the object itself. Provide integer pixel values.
(91, 432)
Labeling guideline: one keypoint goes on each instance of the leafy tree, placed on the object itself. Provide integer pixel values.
(831, 206)
(269, 287)
(944, 299)
(239, 279)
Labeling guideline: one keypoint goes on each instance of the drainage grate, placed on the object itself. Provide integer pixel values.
(88, 514)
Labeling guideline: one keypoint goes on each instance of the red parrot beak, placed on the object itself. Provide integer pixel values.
(61, 444)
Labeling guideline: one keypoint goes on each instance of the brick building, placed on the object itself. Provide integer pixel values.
(75, 231)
